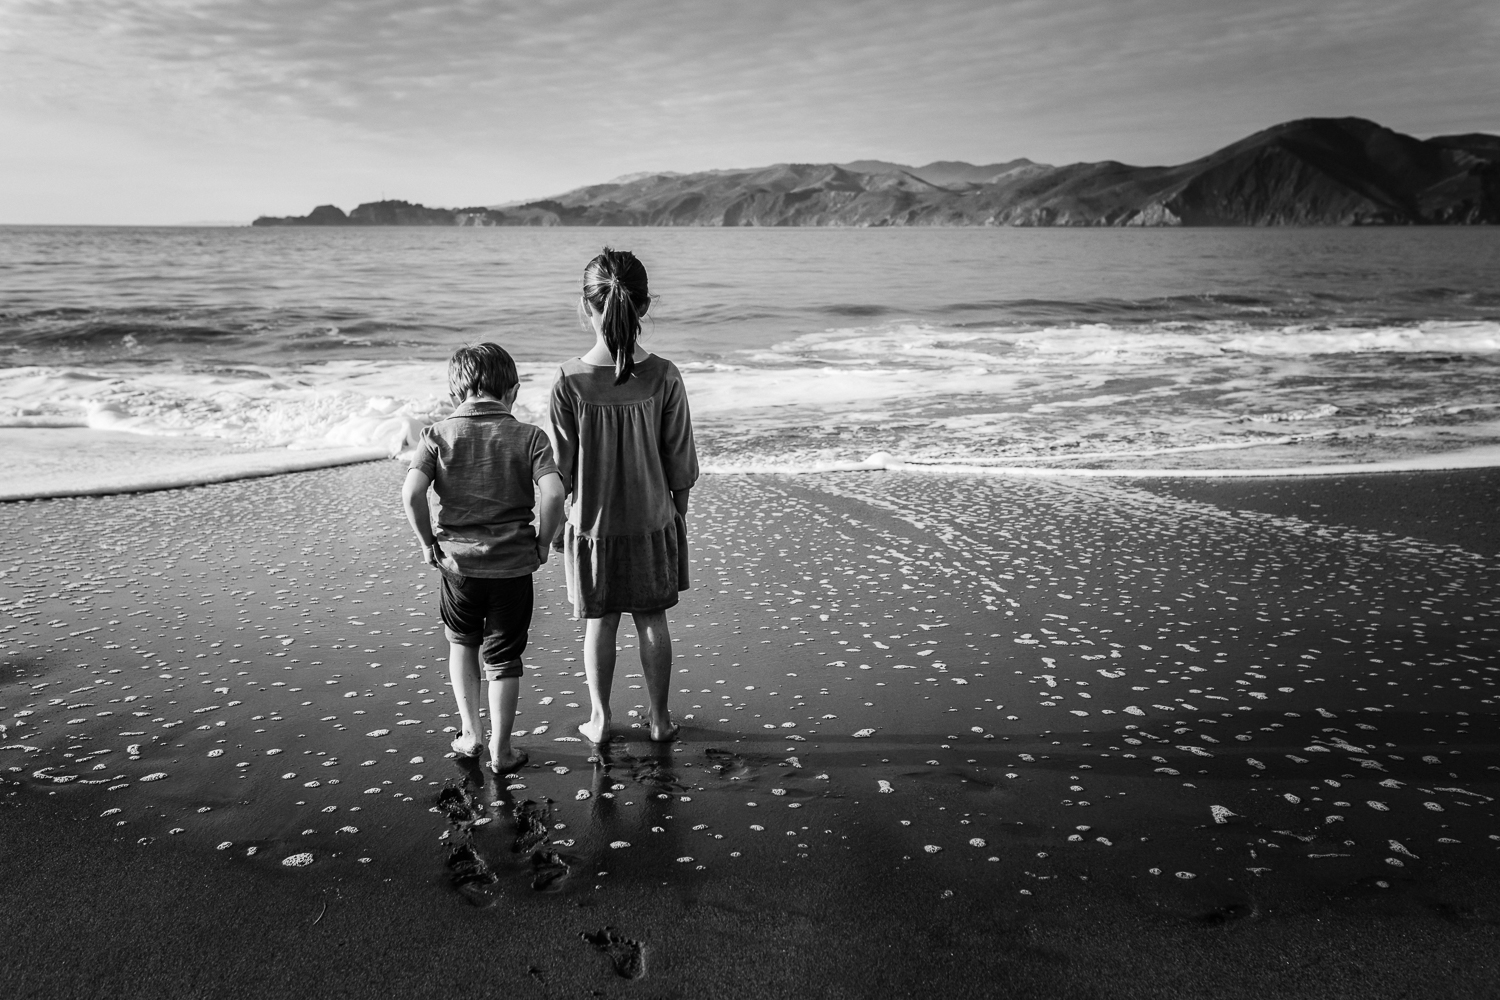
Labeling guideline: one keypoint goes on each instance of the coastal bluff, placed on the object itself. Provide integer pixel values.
(1309, 172)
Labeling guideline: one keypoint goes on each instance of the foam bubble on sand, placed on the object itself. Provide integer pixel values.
(1397, 846)
(298, 860)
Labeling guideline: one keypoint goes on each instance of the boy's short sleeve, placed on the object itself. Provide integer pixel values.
(424, 458)
(541, 455)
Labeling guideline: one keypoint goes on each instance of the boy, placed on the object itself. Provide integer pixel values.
(492, 474)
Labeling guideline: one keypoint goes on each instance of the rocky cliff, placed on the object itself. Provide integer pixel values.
(1312, 172)
(371, 213)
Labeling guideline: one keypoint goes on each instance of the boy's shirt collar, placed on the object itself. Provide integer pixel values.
(480, 408)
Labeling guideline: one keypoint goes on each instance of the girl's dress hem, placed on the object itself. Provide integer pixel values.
(619, 574)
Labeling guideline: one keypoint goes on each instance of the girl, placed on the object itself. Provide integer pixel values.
(626, 456)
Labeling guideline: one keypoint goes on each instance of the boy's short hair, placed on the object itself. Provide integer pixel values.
(481, 368)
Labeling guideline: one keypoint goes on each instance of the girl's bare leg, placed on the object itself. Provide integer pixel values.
(599, 664)
(656, 664)
(463, 672)
(503, 695)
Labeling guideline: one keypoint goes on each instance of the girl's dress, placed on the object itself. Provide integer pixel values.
(622, 450)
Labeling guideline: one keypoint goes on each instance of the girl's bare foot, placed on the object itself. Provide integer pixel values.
(663, 733)
(509, 760)
(467, 744)
(595, 730)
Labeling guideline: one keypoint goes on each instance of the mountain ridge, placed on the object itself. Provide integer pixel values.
(1308, 172)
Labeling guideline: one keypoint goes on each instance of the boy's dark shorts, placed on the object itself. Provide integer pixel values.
(491, 613)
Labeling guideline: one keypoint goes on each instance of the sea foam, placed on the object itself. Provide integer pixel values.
(1158, 398)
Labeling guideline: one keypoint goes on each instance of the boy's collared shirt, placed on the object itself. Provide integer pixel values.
(484, 464)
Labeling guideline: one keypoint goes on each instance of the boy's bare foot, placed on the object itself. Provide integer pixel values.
(595, 730)
(508, 761)
(467, 745)
(663, 733)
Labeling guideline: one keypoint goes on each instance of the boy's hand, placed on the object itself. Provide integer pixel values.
(542, 551)
(432, 555)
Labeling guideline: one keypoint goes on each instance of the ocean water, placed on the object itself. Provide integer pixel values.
(803, 349)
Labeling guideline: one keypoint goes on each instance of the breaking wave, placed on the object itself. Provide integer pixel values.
(1156, 398)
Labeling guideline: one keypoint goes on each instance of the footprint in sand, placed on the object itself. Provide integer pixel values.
(471, 874)
(1228, 914)
(626, 955)
(533, 820)
(550, 870)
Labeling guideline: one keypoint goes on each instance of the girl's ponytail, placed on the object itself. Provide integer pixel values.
(621, 327)
(615, 285)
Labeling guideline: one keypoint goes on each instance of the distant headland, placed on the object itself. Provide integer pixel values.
(1311, 172)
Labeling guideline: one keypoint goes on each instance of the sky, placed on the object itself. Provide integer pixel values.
(174, 111)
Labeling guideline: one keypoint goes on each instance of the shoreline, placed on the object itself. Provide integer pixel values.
(74, 462)
(823, 606)
(63, 462)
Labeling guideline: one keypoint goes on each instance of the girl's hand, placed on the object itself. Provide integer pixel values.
(432, 555)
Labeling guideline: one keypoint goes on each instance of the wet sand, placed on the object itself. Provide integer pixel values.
(77, 461)
(942, 736)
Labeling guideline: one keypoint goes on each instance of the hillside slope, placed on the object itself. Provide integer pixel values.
(1311, 172)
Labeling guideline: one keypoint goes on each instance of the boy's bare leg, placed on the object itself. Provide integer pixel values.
(599, 664)
(656, 664)
(503, 694)
(463, 673)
